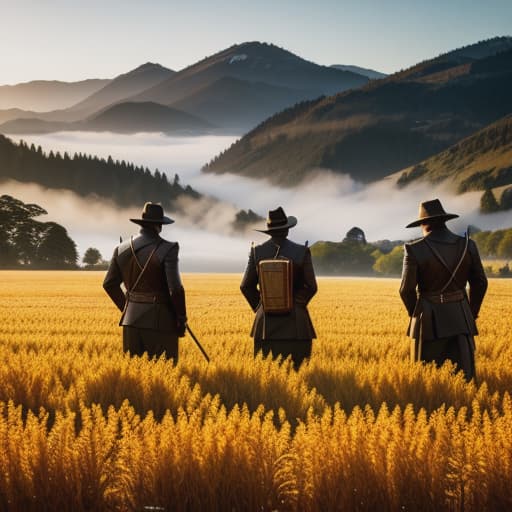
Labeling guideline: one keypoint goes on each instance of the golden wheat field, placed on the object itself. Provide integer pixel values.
(84, 427)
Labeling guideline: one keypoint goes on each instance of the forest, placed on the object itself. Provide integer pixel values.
(122, 182)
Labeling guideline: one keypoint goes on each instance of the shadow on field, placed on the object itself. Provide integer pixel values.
(272, 384)
(425, 386)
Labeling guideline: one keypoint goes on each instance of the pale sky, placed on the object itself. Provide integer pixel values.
(73, 40)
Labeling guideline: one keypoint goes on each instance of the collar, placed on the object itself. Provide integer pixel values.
(443, 235)
(149, 233)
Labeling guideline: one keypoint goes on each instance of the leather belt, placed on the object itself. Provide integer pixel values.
(148, 298)
(440, 298)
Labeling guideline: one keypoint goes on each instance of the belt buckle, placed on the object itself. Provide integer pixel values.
(441, 298)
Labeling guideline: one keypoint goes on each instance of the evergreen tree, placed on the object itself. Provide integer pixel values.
(125, 184)
(488, 203)
(506, 199)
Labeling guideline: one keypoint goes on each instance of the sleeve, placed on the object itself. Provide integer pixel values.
(409, 280)
(176, 290)
(477, 280)
(310, 287)
(249, 284)
(112, 283)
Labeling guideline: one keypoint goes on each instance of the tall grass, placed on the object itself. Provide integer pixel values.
(83, 427)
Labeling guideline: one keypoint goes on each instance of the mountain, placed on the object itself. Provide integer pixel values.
(238, 104)
(482, 160)
(34, 125)
(262, 65)
(457, 60)
(370, 73)
(16, 113)
(121, 118)
(45, 95)
(112, 92)
(123, 87)
(234, 89)
(384, 126)
(145, 117)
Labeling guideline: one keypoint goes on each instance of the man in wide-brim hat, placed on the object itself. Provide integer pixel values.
(435, 271)
(278, 283)
(153, 308)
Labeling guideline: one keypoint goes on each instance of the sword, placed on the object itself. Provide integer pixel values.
(197, 343)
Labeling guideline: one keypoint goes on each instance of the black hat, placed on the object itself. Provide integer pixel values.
(277, 220)
(154, 214)
(431, 210)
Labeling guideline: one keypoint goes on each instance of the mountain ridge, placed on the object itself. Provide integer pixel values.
(372, 74)
(123, 117)
(478, 162)
(47, 95)
(379, 128)
(238, 61)
(124, 86)
(258, 73)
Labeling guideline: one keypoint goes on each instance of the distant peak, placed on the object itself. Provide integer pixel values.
(149, 66)
(253, 44)
(256, 45)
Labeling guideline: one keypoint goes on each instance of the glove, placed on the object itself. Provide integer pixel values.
(181, 324)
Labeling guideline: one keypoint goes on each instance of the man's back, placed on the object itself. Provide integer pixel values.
(430, 261)
(436, 271)
(153, 307)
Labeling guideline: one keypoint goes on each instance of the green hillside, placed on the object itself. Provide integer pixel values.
(478, 162)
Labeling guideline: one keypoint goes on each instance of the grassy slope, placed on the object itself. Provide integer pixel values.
(483, 160)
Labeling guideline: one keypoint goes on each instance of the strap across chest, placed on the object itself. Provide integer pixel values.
(142, 268)
(443, 262)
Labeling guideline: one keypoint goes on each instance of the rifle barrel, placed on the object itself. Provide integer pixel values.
(203, 351)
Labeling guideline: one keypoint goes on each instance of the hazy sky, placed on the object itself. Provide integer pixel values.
(73, 40)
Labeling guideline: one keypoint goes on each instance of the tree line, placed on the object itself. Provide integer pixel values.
(354, 256)
(30, 243)
(122, 182)
(489, 203)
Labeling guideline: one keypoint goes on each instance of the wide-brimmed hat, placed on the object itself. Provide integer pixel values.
(277, 220)
(153, 213)
(431, 210)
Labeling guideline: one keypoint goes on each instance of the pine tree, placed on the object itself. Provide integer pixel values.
(488, 203)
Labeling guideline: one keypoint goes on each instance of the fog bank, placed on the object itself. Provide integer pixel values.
(327, 205)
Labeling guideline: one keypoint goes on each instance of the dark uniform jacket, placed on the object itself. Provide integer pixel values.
(296, 324)
(423, 278)
(158, 300)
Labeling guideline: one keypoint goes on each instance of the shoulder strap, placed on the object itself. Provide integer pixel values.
(134, 255)
(142, 268)
(443, 262)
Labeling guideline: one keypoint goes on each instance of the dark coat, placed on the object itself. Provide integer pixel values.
(423, 275)
(297, 324)
(158, 300)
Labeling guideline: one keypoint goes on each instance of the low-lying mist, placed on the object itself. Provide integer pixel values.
(94, 223)
(327, 205)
